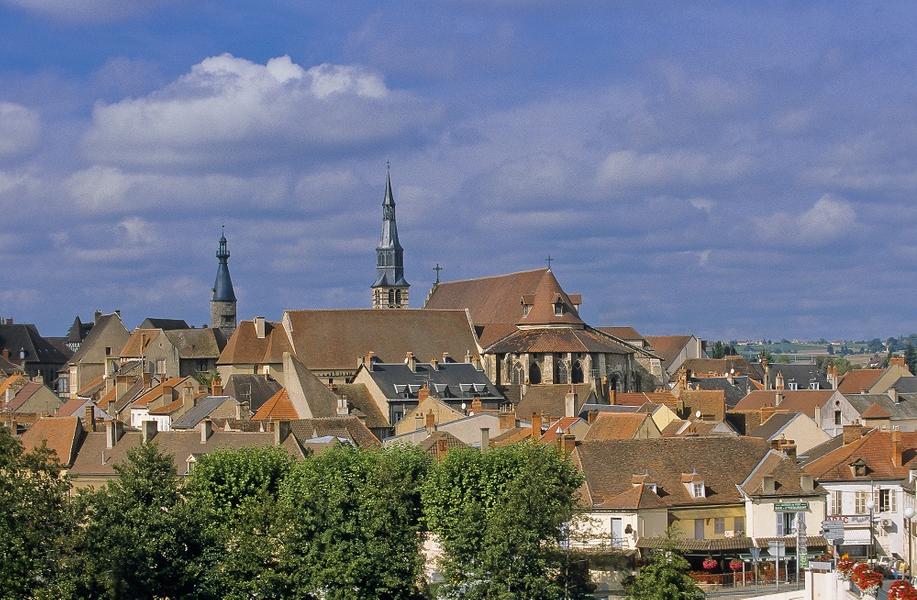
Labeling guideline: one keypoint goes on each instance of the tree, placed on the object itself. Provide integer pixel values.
(910, 357)
(35, 519)
(719, 351)
(351, 524)
(137, 538)
(665, 576)
(497, 515)
(235, 491)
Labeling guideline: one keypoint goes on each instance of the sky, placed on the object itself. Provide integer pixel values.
(734, 170)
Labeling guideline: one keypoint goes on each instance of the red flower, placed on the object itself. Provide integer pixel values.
(902, 590)
(865, 578)
(709, 563)
(735, 564)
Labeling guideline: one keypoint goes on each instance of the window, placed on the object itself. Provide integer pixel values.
(107, 350)
(719, 525)
(698, 529)
(391, 297)
(813, 385)
(859, 503)
(836, 503)
(698, 490)
(558, 309)
(793, 386)
(576, 376)
(161, 366)
(525, 310)
(534, 373)
(887, 501)
(739, 525)
(837, 417)
(617, 532)
(786, 523)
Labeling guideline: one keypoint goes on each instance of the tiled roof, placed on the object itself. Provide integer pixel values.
(137, 344)
(71, 406)
(875, 449)
(512, 436)
(170, 408)
(668, 346)
(708, 402)
(206, 342)
(23, 395)
(362, 404)
(542, 301)
(278, 408)
(859, 380)
(787, 475)
(245, 348)
(155, 393)
(9, 368)
(559, 339)
(335, 339)
(641, 398)
(882, 406)
(773, 425)
(615, 426)
(431, 442)
(91, 387)
(700, 367)
(62, 435)
(558, 427)
(625, 333)
(107, 329)
(200, 411)
(734, 391)
(494, 299)
(550, 399)
(349, 427)
(804, 401)
(13, 382)
(609, 466)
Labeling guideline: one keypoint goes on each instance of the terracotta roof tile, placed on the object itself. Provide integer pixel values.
(563, 425)
(875, 448)
(494, 299)
(859, 380)
(278, 408)
(804, 401)
(615, 426)
(62, 435)
(668, 346)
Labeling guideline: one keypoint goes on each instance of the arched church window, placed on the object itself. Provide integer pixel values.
(534, 373)
(398, 297)
(518, 376)
(563, 373)
(391, 297)
(576, 375)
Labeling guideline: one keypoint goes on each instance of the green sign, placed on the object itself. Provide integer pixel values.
(803, 561)
(791, 506)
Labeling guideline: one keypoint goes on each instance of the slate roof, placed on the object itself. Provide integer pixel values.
(348, 427)
(164, 324)
(254, 389)
(179, 445)
(906, 385)
(875, 448)
(550, 399)
(78, 331)
(200, 411)
(61, 434)
(447, 380)
(244, 347)
(609, 467)
(335, 339)
(859, 380)
(8, 368)
(881, 405)
(801, 374)
(25, 336)
(615, 426)
(774, 424)
(734, 392)
(803, 401)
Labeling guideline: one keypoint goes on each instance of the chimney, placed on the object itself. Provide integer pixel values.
(567, 443)
(259, 328)
(570, 402)
(441, 448)
(187, 397)
(148, 430)
(114, 429)
(536, 425)
(434, 364)
(897, 361)
(852, 433)
(485, 438)
(281, 431)
(216, 387)
(90, 417)
(422, 394)
(368, 359)
(612, 396)
(778, 397)
(507, 421)
(410, 361)
(447, 358)
(206, 427)
(789, 448)
(778, 381)
(166, 394)
(467, 356)
(818, 416)
(430, 421)
(591, 416)
(343, 409)
(807, 483)
(893, 394)
(896, 448)
(767, 372)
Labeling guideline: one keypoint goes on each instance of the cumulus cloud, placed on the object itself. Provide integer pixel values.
(827, 220)
(20, 129)
(229, 110)
(629, 168)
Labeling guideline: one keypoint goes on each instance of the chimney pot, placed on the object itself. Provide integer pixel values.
(90, 417)
(260, 328)
(536, 425)
(430, 421)
(485, 438)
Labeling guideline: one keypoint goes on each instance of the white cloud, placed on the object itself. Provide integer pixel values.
(827, 220)
(629, 168)
(20, 129)
(229, 110)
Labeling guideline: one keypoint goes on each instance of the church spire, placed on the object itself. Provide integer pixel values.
(223, 300)
(390, 289)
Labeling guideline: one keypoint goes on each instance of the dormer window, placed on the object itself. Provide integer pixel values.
(653, 488)
(792, 386)
(813, 385)
(858, 468)
(697, 489)
(525, 310)
(558, 309)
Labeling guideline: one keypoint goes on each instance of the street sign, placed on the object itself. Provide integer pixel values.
(755, 554)
(791, 506)
(833, 531)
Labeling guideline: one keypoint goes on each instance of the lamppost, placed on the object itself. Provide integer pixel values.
(871, 505)
(908, 515)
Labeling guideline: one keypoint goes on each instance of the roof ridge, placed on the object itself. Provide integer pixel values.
(493, 276)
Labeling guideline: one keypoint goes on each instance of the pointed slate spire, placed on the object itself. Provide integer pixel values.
(390, 289)
(222, 287)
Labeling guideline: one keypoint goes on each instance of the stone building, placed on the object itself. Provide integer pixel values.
(223, 301)
(390, 289)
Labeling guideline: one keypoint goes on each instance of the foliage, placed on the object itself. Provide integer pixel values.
(665, 576)
(497, 514)
(35, 518)
(137, 538)
(207, 378)
(352, 523)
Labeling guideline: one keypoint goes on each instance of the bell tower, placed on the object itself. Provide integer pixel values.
(223, 301)
(390, 289)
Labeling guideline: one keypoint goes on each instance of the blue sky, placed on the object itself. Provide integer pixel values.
(729, 169)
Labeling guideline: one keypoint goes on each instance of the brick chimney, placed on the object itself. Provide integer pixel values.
(591, 416)
(852, 433)
(410, 361)
(536, 425)
(148, 430)
(368, 359)
(260, 328)
(430, 421)
(206, 427)
(441, 448)
(897, 361)
(89, 417)
(896, 448)
(485, 438)
(422, 394)
(507, 420)
(216, 387)
(566, 443)
(166, 394)
(570, 402)
(476, 405)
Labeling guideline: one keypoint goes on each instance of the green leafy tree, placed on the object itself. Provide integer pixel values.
(35, 519)
(138, 538)
(499, 516)
(665, 576)
(910, 357)
(718, 351)
(235, 491)
(351, 524)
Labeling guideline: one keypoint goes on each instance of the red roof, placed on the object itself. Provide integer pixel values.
(859, 380)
